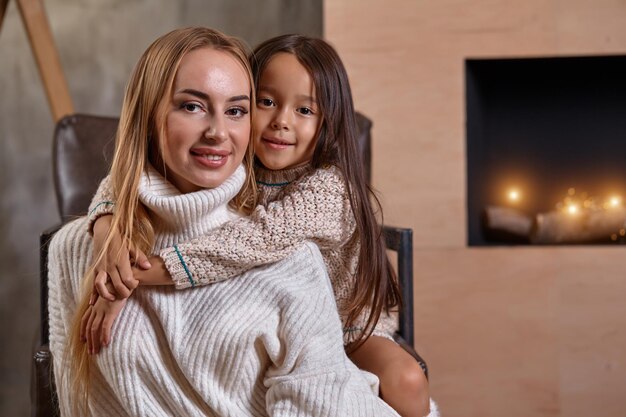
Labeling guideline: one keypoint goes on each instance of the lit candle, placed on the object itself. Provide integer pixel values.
(514, 195)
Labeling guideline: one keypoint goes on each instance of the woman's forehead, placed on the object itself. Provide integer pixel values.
(213, 72)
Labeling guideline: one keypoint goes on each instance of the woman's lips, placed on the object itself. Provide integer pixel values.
(210, 158)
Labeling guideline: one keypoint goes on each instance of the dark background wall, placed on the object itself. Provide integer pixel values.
(99, 42)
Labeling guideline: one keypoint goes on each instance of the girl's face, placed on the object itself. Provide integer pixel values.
(208, 121)
(288, 116)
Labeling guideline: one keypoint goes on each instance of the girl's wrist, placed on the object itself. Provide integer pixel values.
(156, 275)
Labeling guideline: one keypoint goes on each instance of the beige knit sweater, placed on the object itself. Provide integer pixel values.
(264, 343)
(296, 205)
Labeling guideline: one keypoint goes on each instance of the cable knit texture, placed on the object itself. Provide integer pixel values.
(296, 205)
(265, 343)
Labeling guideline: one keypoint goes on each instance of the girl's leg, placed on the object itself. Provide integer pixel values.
(403, 384)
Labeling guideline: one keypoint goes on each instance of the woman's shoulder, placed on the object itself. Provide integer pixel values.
(73, 238)
(296, 275)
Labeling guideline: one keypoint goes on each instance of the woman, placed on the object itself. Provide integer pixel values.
(266, 343)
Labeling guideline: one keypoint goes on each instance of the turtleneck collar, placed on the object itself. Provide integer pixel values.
(277, 178)
(180, 217)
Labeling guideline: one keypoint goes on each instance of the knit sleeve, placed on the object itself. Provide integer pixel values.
(314, 209)
(310, 374)
(68, 257)
(102, 203)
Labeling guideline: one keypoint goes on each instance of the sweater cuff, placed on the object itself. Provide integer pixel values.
(177, 267)
(101, 209)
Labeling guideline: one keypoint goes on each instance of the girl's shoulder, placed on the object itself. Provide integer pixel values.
(326, 172)
(326, 177)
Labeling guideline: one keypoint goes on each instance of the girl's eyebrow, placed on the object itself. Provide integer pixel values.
(271, 90)
(205, 97)
(308, 98)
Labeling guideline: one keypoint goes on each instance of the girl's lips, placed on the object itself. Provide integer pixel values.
(274, 143)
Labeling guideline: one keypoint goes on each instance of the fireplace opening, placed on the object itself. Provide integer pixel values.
(546, 150)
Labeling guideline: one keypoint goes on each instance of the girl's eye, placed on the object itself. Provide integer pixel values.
(237, 112)
(305, 110)
(265, 102)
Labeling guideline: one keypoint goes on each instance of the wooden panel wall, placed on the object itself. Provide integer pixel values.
(506, 331)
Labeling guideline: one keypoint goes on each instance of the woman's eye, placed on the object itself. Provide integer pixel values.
(237, 112)
(191, 107)
(266, 102)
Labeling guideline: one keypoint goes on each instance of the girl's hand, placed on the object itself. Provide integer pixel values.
(115, 264)
(96, 323)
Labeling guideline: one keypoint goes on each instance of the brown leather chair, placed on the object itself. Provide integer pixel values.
(82, 152)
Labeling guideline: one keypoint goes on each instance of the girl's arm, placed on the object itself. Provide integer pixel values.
(102, 203)
(316, 208)
(116, 263)
(385, 327)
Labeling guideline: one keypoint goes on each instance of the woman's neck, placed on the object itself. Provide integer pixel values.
(179, 217)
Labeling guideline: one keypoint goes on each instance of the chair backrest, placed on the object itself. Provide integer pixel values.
(83, 147)
(82, 152)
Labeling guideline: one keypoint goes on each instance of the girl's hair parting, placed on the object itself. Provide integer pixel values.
(376, 288)
(140, 138)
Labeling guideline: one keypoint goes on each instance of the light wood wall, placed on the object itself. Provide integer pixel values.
(509, 331)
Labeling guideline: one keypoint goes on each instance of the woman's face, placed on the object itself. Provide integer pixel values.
(208, 120)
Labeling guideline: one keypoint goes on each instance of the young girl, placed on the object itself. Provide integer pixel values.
(311, 188)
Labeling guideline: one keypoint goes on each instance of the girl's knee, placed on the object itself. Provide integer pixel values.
(412, 381)
(407, 373)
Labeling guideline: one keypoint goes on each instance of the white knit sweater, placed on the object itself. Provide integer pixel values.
(295, 205)
(266, 343)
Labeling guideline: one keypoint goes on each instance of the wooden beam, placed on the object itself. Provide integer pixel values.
(46, 55)
(3, 9)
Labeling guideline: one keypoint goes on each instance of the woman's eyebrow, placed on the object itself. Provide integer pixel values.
(205, 97)
(195, 93)
(239, 98)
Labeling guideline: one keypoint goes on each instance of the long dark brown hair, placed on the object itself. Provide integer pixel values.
(376, 286)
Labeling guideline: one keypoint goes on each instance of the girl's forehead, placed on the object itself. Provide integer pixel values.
(285, 71)
(284, 62)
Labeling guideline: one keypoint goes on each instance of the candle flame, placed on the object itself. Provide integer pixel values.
(514, 195)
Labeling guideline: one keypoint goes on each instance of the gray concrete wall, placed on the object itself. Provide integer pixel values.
(99, 42)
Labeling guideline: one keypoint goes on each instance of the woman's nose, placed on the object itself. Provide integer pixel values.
(216, 130)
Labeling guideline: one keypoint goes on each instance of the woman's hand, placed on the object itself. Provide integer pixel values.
(97, 322)
(115, 264)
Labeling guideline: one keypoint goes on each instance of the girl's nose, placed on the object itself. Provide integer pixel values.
(280, 122)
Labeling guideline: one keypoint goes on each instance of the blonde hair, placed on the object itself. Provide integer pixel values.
(140, 134)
